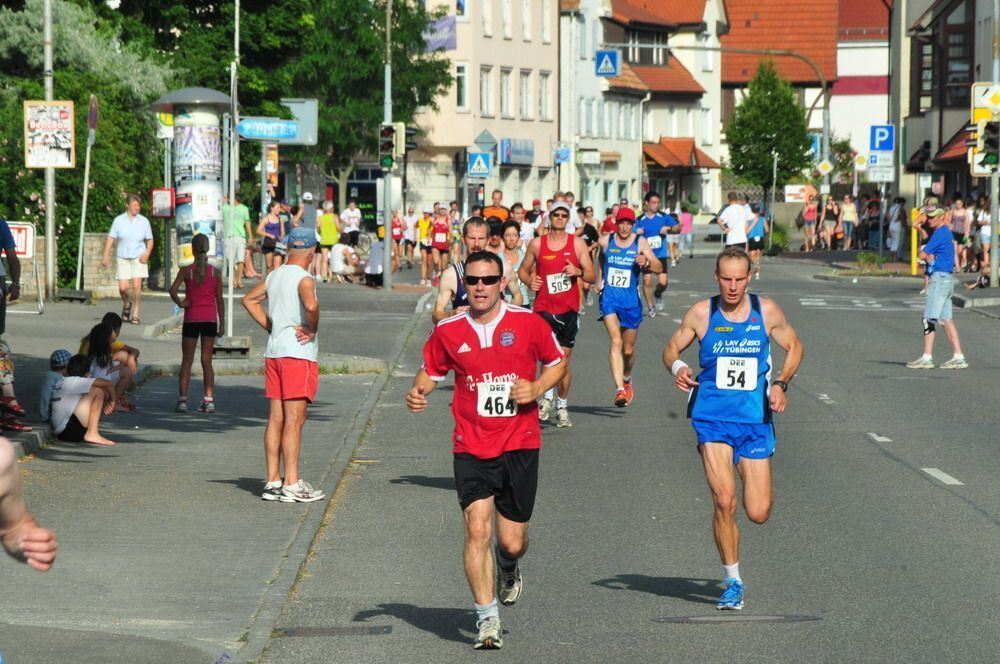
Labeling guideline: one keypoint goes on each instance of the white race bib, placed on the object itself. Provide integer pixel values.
(736, 373)
(619, 277)
(440, 238)
(495, 401)
(655, 241)
(558, 283)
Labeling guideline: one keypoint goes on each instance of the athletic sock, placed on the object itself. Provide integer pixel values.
(658, 291)
(732, 571)
(506, 564)
(627, 379)
(276, 484)
(926, 357)
(491, 610)
(561, 403)
(550, 393)
(958, 356)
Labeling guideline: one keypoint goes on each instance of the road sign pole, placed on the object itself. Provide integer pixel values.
(995, 177)
(387, 174)
(50, 173)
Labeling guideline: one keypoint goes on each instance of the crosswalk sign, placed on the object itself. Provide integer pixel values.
(607, 63)
(480, 164)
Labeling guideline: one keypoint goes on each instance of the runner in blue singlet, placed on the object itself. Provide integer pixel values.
(624, 255)
(732, 401)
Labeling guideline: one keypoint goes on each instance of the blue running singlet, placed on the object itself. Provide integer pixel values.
(620, 289)
(735, 358)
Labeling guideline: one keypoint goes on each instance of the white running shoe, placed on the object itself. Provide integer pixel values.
(562, 418)
(921, 363)
(300, 492)
(544, 410)
(659, 304)
(956, 363)
(490, 635)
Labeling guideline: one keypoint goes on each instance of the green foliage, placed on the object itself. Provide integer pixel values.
(842, 158)
(768, 120)
(779, 239)
(868, 261)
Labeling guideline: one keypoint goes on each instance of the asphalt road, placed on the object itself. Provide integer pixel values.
(880, 547)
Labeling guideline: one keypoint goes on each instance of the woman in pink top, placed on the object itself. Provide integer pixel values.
(204, 316)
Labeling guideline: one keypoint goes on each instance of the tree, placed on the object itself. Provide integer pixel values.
(769, 120)
(342, 65)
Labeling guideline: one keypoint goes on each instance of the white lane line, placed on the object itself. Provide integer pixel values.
(825, 398)
(678, 321)
(944, 477)
(879, 439)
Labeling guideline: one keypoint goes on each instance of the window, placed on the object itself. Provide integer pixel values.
(636, 54)
(508, 30)
(589, 123)
(505, 93)
(707, 130)
(547, 21)
(707, 57)
(690, 131)
(633, 43)
(460, 9)
(922, 75)
(487, 18)
(957, 38)
(632, 114)
(622, 126)
(581, 118)
(461, 86)
(601, 116)
(526, 20)
(544, 96)
(485, 102)
(525, 92)
(581, 29)
(672, 122)
(613, 119)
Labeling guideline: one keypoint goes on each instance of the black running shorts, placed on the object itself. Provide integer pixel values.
(564, 325)
(511, 478)
(198, 330)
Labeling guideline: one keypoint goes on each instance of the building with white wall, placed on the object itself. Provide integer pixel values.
(506, 68)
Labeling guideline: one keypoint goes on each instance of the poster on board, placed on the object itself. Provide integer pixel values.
(48, 134)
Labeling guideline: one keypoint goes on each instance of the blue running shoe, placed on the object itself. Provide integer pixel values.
(732, 598)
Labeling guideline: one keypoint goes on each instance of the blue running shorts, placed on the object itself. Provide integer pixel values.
(750, 440)
(629, 318)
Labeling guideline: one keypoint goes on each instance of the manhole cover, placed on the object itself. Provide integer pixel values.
(732, 617)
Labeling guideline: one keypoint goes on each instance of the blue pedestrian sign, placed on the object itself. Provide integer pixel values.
(267, 129)
(608, 63)
(883, 138)
(480, 164)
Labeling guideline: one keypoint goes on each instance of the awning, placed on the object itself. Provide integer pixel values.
(955, 149)
(678, 153)
(610, 156)
(918, 160)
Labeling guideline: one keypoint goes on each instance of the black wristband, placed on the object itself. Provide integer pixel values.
(782, 384)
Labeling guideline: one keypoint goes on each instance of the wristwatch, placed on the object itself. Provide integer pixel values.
(782, 384)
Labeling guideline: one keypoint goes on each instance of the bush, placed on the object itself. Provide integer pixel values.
(779, 239)
(868, 261)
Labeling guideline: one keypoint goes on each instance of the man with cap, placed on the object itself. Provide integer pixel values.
(939, 255)
(624, 257)
(552, 266)
(291, 367)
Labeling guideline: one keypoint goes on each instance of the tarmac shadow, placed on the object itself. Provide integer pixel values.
(252, 485)
(446, 624)
(701, 591)
(446, 483)
(598, 410)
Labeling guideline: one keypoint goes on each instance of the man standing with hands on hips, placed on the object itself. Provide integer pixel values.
(731, 402)
(494, 349)
(134, 238)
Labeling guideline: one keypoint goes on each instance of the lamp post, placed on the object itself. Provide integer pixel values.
(387, 175)
(50, 173)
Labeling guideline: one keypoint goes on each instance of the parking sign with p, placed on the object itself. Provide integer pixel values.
(883, 138)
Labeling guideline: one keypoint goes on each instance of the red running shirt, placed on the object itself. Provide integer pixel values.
(487, 359)
(441, 235)
(559, 293)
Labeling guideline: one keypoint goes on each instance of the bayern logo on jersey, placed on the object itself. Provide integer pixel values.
(507, 338)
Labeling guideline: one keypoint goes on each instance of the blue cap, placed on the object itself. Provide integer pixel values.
(60, 359)
(301, 238)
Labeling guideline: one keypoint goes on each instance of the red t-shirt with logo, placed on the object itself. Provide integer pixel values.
(487, 359)
(441, 234)
(559, 294)
(609, 225)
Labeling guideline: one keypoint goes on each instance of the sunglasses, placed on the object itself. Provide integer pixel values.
(559, 214)
(488, 280)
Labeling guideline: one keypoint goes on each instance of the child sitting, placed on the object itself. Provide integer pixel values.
(58, 362)
(103, 365)
(78, 403)
(122, 353)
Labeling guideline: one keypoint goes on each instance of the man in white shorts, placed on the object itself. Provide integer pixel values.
(134, 237)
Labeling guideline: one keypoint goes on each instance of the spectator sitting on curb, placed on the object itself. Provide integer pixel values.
(344, 263)
(58, 362)
(103, 364)
(19, 533)
(982, 281)
(78, 403)
(120, 352)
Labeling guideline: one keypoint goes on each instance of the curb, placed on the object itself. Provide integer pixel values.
(966, 302)
(262, 623)
(161, 327)
(863, 279)
(41, 435)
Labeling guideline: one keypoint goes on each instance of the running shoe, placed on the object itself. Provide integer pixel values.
(920, 363)
(757, 276)
(673, 263)
(490, 634)
(956, 363)
(544, 410)
(732, 597)
(629, 394)
(272, 491)
(509, 585)
(590, 298)
(659, 304)
(300, 492)
(207, 406)
(181, 407)
(621, 397)
(652, 312)
(562, 418)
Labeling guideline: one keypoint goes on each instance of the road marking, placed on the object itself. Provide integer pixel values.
(879, 439)
(733, 616)
(825, 398)
(944, 477)
(678, 321)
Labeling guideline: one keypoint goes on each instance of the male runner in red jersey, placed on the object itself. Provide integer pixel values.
(494, 349)
(551, 267)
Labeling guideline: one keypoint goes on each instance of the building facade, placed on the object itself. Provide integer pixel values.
(504, 101)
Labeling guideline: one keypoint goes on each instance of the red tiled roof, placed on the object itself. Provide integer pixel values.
(678, 153)
(955, 149)
(671, 77)
(569, 5)
(807, 27)
(658, 12)
(628, 80)
(863, 20)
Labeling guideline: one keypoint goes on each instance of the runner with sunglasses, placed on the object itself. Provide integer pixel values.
(494, 349)
(552, 266)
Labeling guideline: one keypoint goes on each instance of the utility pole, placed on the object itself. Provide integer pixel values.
(50, 173)
(234, 169)
(995, 177)
(387, 174)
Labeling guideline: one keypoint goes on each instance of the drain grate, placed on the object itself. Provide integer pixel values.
(733, 618)
(368, 630)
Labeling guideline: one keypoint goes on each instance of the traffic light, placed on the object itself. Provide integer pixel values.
(399, 137)
(387, 145)
(990, 137)
(976, 136)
